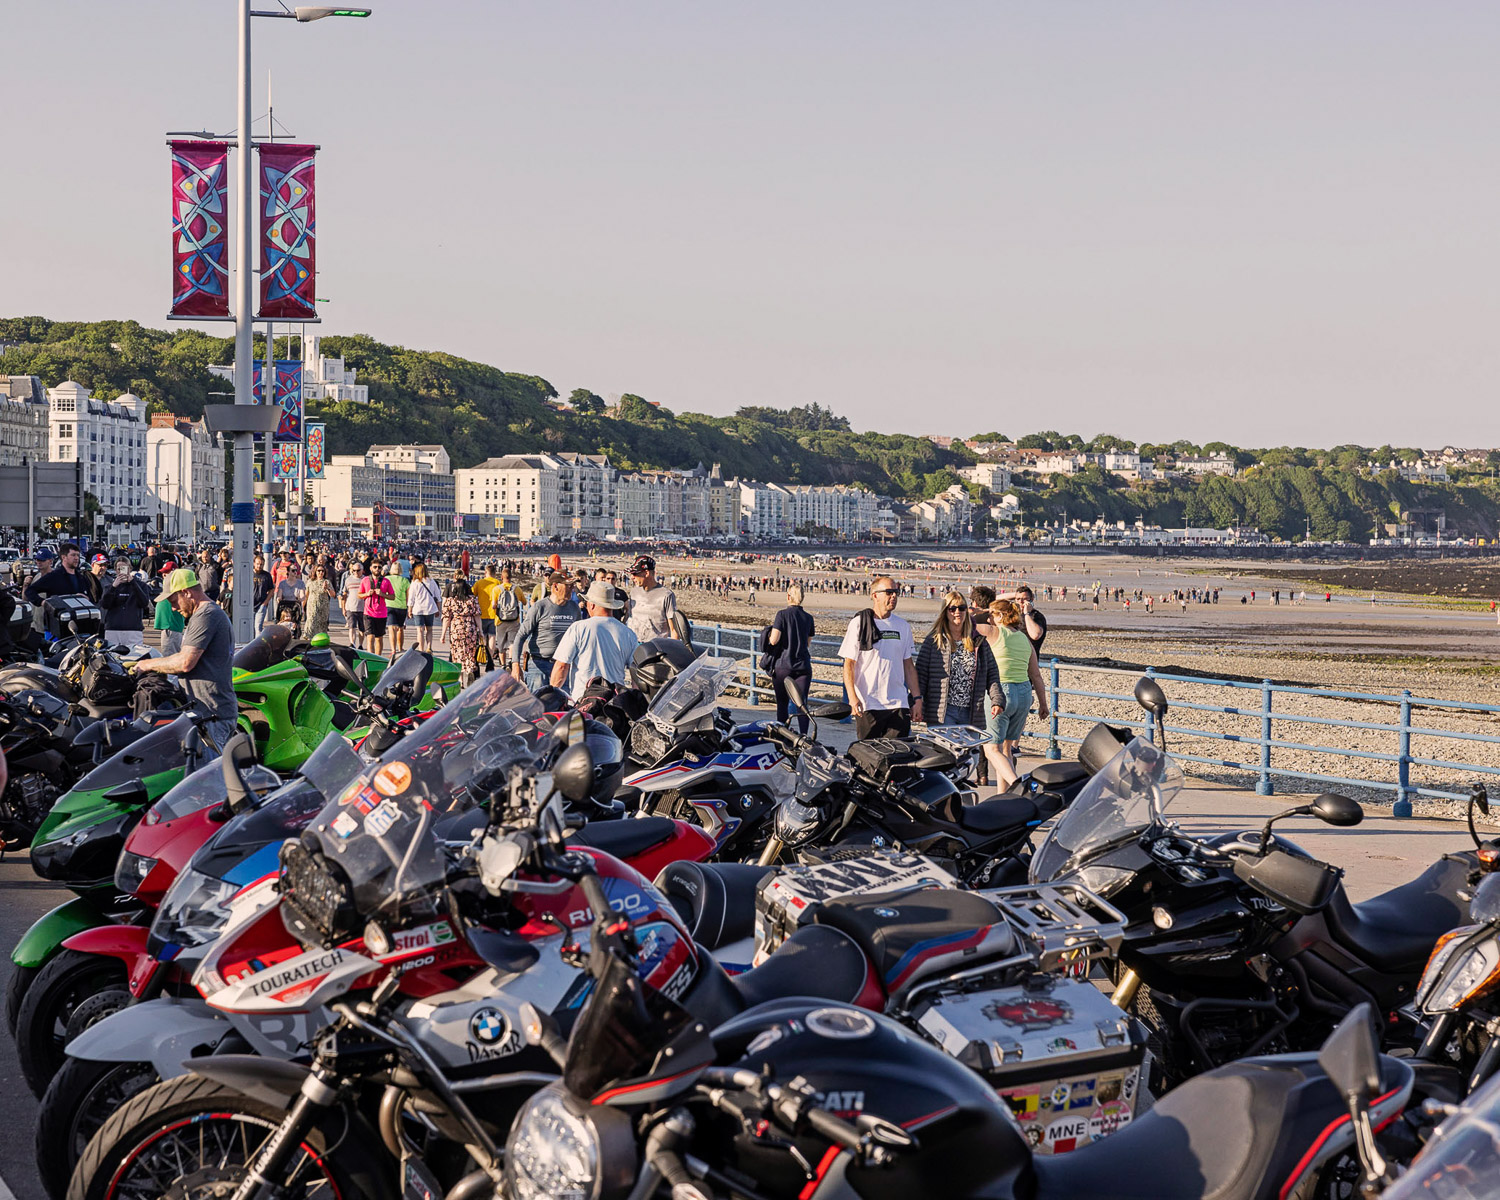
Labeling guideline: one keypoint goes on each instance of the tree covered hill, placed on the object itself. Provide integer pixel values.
(478, 411)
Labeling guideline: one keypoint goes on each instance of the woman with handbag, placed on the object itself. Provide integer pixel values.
(959, 679)
(788, 654)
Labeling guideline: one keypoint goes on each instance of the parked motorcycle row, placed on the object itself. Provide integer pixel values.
(501, 945)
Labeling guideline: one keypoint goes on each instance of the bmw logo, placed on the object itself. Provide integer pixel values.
(488, 1026)
(887, 913)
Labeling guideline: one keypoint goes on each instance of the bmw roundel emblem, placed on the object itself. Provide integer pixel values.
(488, 1026)
(887, 913)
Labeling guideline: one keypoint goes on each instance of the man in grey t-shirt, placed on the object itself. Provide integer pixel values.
(204, 662)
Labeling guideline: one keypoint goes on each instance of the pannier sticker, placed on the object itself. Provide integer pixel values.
(1110, 1117)
(1061, 1045)
(379, 822)
(1081, 1095)
(393, 779)
(1029, 1013)
(344, 825)
(1024, 1106)
(1060, 1096)
(1108, 1089)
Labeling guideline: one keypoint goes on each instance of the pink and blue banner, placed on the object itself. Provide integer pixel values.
(200, 232)
(316, 443)
(284, 461)
(288, 229)
(288, 397)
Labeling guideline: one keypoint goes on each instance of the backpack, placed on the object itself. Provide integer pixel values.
(507, 607)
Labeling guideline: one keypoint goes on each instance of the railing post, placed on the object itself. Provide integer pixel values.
(1150, 716)
(1402, 807)
(1052, 748)
(1263, 785)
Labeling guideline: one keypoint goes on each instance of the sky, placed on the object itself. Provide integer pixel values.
(1262, 223)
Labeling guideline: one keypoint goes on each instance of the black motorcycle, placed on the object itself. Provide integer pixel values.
(1242, 944)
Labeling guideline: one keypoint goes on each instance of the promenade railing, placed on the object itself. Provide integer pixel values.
(1241, 730)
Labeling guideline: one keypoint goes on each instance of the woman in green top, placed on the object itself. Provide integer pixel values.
(170, 622)
(1020, 679)
(395, 608)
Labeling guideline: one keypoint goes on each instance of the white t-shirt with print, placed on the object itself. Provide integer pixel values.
(880, 674)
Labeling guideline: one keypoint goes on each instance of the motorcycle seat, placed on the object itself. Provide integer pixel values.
(918, 932)
(1395, 931)
(716, 901)
(343, 715)
(625, 839)
(999, 814)
(1058, 774)
(1235, 1133)
(816, 961)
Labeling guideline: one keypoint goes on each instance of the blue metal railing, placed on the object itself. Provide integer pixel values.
(1265, 768)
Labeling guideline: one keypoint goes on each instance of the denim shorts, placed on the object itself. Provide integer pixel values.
(1012, 720)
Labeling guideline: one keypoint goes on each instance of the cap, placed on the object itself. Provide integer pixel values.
(602, 594)
(42, 554)
(644, 563)
(169, 565)
(99, 558)
(179, 581)
(555, 562)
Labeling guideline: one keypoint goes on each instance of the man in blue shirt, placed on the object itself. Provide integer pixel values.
(597, 648)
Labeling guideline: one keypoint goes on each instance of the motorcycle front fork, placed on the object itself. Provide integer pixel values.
(319, 1091)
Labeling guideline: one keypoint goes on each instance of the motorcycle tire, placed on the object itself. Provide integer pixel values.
(16, 987)
(44, 1021)
(79, 1100)
(152, 1144)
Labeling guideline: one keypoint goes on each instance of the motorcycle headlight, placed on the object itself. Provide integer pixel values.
(795, 822)
(1458, 970)
(553, 1151)
(131, 870)
(193, 911)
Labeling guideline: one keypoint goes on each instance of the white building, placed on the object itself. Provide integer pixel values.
(410, 496)
(411, 458)
(662, 504)
(945, 516)
(184, 478)
(1067, 464)
(109, 439)
(1422, 471)
(992, 475)
(518, 492)
(763, 510)
(326, 379)
(23, 420)
(848, 511)
(1217, 463)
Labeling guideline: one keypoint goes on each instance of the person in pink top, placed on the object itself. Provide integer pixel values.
(373, 589)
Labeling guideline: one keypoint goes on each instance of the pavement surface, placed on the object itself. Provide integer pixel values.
(1377, 855)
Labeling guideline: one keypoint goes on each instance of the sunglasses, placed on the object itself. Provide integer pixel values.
(958, 608)
(886, 592)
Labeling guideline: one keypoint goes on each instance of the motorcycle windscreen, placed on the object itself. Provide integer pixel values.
(412, 667)
(621, 1033)
(160, 750)
(378, 825)
(265, 650)
(1462, 1161)
(204, 787)
(1119, 803)
(694, 692)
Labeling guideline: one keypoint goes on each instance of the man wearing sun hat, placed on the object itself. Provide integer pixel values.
(205, 657)
(599, 647)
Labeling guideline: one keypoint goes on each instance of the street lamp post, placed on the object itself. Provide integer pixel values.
(242, 512)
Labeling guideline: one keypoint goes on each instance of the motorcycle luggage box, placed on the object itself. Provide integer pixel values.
(1065, 1059)
(784, 901)
(57, 611)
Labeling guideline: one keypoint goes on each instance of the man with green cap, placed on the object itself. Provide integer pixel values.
(205, 658)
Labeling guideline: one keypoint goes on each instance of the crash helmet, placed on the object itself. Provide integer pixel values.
(608, 753)
(657, 662)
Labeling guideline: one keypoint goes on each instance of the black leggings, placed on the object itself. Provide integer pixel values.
(802, 677)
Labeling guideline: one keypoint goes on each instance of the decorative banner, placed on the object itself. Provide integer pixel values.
(316, 441)
(287, 225)
(200, 234)
(288, 396)
(284, 462)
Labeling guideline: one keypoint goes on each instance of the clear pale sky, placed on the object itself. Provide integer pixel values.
(1262, 222)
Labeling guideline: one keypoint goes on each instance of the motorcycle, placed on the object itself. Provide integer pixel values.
(425, 928)
(1241, 943)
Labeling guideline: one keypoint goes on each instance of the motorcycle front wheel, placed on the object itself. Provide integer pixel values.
(45, 1020)
(191, 1138)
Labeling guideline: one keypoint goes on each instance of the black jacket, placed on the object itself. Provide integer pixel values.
(126, 605)
(56, 582)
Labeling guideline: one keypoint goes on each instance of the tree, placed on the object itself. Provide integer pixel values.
(586, 402)
(809, 417)
(1107, 443)
(989, 437)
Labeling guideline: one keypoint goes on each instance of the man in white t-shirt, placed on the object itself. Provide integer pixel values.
(652, 605)
(597, 648)
(879, 674)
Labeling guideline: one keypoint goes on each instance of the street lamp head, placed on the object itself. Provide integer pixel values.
(316, 12)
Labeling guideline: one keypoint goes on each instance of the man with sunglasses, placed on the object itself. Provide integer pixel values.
(880, 677)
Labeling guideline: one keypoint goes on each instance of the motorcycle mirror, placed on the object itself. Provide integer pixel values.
(361, 670)
(574, 772)
(343, 670)
(1485, 907)
(833, 712)
(1148, 695)
(1480, 798)
(1333, 809)
(795, 693)
(1351, 1058)
(238, 750)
